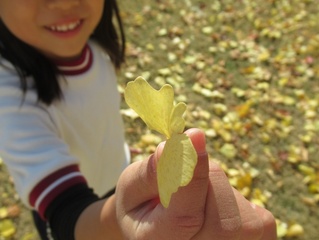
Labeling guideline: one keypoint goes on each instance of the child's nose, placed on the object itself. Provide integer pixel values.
(62, 4)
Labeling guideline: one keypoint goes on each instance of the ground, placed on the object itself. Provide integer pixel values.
(249, 73)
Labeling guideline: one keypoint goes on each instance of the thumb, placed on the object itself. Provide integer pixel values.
(137, 185)
(138, 182)
(138, 201)
(189, 201)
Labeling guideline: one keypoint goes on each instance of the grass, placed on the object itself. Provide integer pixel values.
(266, 49)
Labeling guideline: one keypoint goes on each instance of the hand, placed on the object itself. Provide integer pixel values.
(208, 208)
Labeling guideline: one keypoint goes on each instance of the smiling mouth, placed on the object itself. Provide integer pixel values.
(64, 27)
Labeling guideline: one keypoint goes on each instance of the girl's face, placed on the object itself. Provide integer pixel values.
(57, 28)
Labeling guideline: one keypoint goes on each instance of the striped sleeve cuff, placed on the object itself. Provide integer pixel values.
(53, 185)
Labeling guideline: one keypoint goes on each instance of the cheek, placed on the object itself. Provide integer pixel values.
(98, 11)
(16, 24)
(23, 29)
(15, 13)
(17, 19)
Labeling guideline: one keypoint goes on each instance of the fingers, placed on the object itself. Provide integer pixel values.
(137, 185)
(187, 207)
(269, 224)
(137, 197)
(257, 222)
(186, 200)
(231, 216)
(252, 226)
(139, 179)
(222, 220)
(207, 208)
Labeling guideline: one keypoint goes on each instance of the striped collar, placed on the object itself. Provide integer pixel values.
(77, 66)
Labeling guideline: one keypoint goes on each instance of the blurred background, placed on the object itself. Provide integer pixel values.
(249, 73)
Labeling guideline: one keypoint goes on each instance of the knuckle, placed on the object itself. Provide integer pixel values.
(252, 229)
(229, 228)
(188, 225)
(215, 168)
(189, 222)
(268, 219)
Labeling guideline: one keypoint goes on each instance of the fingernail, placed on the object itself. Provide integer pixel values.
(201, 147)
(198, 139)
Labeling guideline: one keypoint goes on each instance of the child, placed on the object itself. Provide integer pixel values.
(61, 136)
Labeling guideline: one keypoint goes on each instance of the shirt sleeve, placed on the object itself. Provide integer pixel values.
(64, 211)
(37, 159)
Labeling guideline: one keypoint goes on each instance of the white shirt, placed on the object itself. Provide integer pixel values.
(44, 146)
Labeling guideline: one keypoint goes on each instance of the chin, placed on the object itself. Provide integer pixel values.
(66, 55)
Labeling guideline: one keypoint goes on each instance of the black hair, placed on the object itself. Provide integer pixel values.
(30, 62)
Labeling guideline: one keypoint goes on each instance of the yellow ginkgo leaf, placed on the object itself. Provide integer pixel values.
(177, 122)
(156, 108)
(176, 165)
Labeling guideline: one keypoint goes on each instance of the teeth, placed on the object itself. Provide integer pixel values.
(64, 27)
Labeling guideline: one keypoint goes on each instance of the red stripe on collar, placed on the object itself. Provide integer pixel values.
(79, 65)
